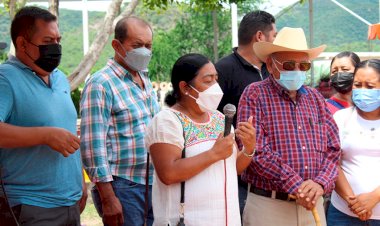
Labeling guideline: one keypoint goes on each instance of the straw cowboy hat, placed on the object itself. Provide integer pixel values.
(287, 40)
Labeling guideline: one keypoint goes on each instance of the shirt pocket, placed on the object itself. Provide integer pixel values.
(319, 145)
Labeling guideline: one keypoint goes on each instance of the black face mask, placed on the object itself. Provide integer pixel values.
(342, 81)
(50, 56)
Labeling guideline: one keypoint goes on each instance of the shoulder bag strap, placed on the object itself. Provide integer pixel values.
(146, 208)
(182, 201)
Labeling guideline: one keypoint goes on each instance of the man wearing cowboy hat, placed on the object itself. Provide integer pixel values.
(297, 138)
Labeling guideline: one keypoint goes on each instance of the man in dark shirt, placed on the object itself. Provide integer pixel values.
(242, 67)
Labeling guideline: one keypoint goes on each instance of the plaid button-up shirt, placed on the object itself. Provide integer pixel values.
(115, 113)
(296, 141)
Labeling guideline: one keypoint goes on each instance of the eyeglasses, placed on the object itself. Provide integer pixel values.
(290, 65)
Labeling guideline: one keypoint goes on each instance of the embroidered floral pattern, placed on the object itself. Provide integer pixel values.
(200, 132)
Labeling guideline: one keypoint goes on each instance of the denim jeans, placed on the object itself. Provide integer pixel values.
(132, 199)
(337, 218)
(242, 188)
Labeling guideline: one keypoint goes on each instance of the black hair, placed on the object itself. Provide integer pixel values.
(372, 63)
(186, 68)
(252, 23)
(121, 28)
(24, 22)
(354, 58)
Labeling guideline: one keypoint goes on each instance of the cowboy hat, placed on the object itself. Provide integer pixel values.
(287, 40)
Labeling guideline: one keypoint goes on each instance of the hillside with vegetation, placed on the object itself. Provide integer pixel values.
(179, 30)
(334, 26)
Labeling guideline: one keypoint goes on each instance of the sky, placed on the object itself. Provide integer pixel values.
(273, 6)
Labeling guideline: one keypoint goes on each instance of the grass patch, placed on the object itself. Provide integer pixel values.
(89, 216)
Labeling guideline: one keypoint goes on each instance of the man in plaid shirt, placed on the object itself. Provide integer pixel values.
(117, 105)
(297, 138)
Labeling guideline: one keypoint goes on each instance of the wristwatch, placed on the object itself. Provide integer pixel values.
(249, 155)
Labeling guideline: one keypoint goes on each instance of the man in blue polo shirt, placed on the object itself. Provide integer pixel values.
(40, 164)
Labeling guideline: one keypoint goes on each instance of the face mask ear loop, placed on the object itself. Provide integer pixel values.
(188, 94)
(194, 89)
(28, 53)
(122, 48)
(273, 60)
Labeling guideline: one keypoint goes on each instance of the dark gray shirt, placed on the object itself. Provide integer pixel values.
(235, 73)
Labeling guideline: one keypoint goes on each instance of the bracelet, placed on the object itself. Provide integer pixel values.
(249, 155)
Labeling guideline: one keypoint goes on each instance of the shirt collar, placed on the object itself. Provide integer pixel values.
(15, 61)
(240, 58)
(244, 62)
(120, 71)
(284, 92)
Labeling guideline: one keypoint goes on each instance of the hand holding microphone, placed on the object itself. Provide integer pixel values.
(224, 144)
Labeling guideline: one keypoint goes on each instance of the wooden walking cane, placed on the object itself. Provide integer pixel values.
(317, 219)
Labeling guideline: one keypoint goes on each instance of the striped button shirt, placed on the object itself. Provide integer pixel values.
(296, 141)
(115, 113)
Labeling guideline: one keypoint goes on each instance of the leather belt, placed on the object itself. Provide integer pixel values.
(271, 194)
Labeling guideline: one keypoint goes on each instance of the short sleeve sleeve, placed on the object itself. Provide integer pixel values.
(6, 99)
(165, 127)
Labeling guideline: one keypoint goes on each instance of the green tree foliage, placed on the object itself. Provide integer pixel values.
(193, 33)
(199, 5)
(3, 56)
(248, 6)
(179, 30)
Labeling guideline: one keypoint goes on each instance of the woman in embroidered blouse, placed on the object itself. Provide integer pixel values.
(341, 76)
(356, 199)
(212, 161)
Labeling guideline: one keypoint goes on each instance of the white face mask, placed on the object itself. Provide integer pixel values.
(209, 99)
(137, 59)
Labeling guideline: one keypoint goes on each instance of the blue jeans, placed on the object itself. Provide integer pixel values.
(337, 218)
(132, 199)
(242, 188)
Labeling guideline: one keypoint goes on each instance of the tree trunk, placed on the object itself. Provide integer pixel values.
(54, 7)
(216, 35)
(84, 67)
(14, 6)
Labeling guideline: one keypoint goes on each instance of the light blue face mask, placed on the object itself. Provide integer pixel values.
(137, 59)
(291, 80)
(366, 100)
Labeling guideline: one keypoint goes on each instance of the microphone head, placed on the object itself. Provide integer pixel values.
(229, 110)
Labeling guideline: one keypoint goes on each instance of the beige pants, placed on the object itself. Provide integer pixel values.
(263, 211)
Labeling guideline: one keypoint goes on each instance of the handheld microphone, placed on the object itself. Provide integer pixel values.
(229, 111)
